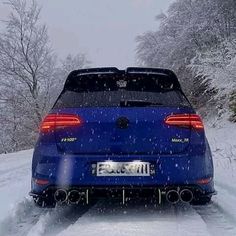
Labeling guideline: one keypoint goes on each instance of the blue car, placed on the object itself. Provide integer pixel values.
(122, 133)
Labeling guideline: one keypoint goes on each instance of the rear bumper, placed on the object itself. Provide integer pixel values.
(76, 171)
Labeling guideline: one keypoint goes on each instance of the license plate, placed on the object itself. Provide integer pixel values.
(135, 168)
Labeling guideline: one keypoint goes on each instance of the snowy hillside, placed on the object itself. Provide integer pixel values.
(14, 179)
(20, 217)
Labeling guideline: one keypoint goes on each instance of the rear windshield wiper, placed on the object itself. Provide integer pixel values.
(138, 103)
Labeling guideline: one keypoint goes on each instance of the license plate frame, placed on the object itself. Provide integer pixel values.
(126, 169)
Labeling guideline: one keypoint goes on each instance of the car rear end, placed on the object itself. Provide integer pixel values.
(122, 133)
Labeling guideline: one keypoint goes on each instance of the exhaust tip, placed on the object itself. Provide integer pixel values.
(60, 196)
(172, 196)
(74, 197)
(186, 195)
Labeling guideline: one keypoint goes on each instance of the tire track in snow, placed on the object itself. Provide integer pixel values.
(22, 216)
(29, 220)
(218, 222)
(187, 218)
(220, 215)
(106, 217)
(225, 201)
(59, 219)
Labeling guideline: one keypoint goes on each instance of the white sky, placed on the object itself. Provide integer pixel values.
(104, 29)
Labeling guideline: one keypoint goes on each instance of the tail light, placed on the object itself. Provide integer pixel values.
(53, 121)
(185, 120)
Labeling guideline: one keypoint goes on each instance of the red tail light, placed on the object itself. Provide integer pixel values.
(185, 120)
(53, 121)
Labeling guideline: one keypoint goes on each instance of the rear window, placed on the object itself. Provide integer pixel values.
(116, 91)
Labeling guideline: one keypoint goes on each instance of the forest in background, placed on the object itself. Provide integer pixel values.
(195, 38)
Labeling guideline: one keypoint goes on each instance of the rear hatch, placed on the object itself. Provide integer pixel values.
(122, 114)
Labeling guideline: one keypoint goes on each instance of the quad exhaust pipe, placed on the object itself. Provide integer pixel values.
(186, 195)
(174, 196)
(60, 196)
(72, 197)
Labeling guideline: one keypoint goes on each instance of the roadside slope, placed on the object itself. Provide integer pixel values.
(14, 179)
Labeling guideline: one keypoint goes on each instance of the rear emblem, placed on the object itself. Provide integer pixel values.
(122, 123)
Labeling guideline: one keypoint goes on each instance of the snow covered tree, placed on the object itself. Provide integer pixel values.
(191, 34)
(26, 57)
(64, 67)
(70, 63)
(26, 71)
(30, 78)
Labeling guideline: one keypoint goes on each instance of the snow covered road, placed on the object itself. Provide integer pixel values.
(113, 219)
(19, 216)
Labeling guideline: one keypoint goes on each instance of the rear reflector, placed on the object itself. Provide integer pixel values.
(204, 181)
(53, 121)
(41, 181)
(185, 120)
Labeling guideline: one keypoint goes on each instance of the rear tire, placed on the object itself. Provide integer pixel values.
(201, 201)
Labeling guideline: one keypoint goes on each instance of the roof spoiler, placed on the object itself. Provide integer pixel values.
(129, 70)
(144, 70)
